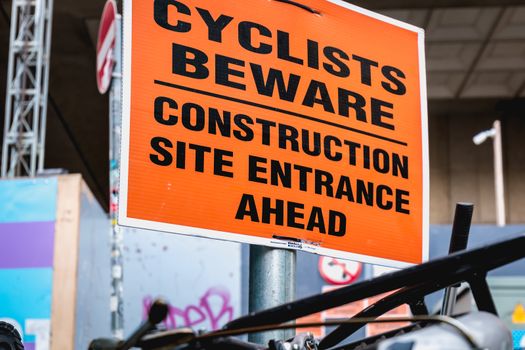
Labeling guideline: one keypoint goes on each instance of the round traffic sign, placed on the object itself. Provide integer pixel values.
(338, 271)
(107, 33)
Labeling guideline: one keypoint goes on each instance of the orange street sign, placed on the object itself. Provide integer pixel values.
(299, 125)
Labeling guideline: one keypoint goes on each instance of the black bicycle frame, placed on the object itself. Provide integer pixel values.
(414, 283)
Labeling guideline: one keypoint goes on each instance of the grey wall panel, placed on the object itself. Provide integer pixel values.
(462, 171)
(200, 278)
(514, 161)
(439, 169)
(94, 272)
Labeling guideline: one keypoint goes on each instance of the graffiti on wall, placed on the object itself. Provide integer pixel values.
(211, 311)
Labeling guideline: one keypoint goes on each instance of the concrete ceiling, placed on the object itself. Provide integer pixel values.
(473, 52)
(475, 49)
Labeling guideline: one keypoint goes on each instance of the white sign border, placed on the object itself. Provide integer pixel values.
(124, 220)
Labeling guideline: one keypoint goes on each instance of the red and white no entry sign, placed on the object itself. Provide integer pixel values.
(338, 271)
(107, 33)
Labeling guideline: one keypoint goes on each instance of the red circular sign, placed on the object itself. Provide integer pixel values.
(338, 271)
(107, 33)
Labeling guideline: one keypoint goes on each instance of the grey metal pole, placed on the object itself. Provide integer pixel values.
(272, 282)
(498, 175)
(115, 113)
(495, 133)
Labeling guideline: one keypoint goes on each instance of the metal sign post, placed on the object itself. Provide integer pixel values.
(117, 317)
(109, 76)
(272, 283)
(498, 174)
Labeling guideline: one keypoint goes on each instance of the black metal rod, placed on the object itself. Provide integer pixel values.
(157, 313)
(418, 307)
(481, 292)
(458, 242)
(461, 227)
(213, 340)
(377, 309)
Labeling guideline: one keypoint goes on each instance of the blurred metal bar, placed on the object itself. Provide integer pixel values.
(481, 292)
(498, 175)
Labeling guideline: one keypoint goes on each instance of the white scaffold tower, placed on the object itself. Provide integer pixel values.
(27, 87)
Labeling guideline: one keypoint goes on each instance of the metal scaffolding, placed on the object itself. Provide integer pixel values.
(27, 87)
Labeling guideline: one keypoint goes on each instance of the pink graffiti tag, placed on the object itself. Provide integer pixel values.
(194, 315)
